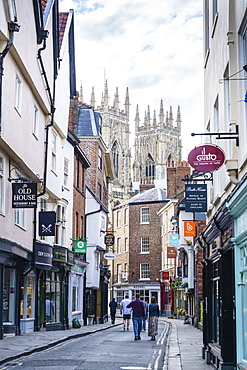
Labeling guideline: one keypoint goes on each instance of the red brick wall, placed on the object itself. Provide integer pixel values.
(137, 231)
(175, 183)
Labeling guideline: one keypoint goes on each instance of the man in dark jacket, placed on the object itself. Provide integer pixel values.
(113, 310)
(138, 314)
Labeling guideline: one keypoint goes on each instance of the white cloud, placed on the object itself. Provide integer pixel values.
(152, 47)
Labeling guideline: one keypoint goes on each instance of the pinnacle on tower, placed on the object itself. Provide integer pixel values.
(170, 116)
(148, 117)
(92, 100)
(178, 121)
(161, 115)
(154, 119)
(105, 96)
(81, 93)
(167, 121)
(127, 102)
(116, 99)
(137, 119)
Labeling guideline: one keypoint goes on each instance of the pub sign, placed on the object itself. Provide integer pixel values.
(24, 195)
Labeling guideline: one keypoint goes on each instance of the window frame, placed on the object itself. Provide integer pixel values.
(144, 272)
(2, 186)
(143, 239)
(143, 215)
(18, 93)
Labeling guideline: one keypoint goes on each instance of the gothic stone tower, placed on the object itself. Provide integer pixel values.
(157, 146)
(115, 133)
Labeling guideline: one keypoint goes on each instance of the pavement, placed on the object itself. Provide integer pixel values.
(183, 348)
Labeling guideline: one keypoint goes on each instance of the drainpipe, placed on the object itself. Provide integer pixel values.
(13, 27)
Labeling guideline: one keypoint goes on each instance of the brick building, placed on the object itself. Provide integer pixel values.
(136, 224)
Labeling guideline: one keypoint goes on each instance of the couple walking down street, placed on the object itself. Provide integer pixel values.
(139, 314)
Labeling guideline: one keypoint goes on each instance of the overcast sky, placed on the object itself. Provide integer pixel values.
(153, 47)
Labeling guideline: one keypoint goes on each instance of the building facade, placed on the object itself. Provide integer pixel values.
(225, 112)
(136, 226)
(157, 145)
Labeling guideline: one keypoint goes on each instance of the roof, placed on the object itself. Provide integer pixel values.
(63, 17)
(150, 196)
(88, 122)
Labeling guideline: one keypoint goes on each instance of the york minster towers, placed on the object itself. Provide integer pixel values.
(158, 145)
(115, 133)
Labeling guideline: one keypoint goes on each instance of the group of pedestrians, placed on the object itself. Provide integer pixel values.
(141, 311)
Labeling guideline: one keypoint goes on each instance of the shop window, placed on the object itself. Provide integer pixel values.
(244, 313)
(76, 292)
(185, 265)
(27, 297)
(9, 296)
(215, 311)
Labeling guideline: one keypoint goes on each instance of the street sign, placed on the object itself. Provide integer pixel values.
(24, 195)
(110, 256)
(109, 240)
(195, 197)
(206, 158)
(80, 246)
(171, 252)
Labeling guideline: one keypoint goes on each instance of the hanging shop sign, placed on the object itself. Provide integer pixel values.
(173, 239)
(165, 276)
(189, 228)
(110, 256)
(59, 254)
(80, 246)
(171, 252)
(24, 195)
(195, 198)
(109, 240)
(47, 222)
(206, 158)
(43, 256)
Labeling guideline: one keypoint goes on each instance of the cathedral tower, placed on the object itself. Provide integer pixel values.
(115, 133)
(157, 145)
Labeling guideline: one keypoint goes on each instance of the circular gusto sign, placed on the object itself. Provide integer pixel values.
(110, 256)
(206, 158)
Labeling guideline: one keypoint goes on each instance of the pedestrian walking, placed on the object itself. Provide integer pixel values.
(113, 310)
(154, 313)
(138, 314)
(125, 311)
(144, 321)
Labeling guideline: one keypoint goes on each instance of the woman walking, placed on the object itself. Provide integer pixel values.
(153, 310)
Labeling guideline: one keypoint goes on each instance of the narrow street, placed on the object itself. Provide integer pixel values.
(111, 349)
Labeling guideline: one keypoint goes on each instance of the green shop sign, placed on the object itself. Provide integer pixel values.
(80, 246)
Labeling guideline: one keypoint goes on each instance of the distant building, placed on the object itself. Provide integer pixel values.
(137, 266)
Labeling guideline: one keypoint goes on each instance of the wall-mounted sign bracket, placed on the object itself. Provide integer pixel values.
(198, 176)
(222, 135)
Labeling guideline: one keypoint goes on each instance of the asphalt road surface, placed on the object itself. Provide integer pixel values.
(110, 349)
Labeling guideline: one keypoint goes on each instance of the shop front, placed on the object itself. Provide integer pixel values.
(219, 335)
(237, 207)
(14, 262)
